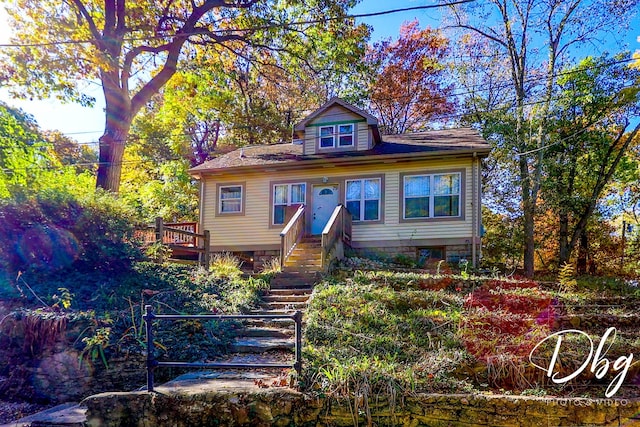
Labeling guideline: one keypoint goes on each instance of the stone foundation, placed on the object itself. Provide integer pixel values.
(224, 404)
(261, 257)
(453, 253)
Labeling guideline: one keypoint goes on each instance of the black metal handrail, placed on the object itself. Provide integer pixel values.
(152, 363)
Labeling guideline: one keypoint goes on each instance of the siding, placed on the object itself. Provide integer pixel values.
(362, 137)
(333, 115)
(252, 229)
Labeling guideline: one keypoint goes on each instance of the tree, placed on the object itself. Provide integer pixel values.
(29, 162)
(409, 83)
(134, 48)
(589, 140)
(23, 152)
(535, 39)
(69, 153)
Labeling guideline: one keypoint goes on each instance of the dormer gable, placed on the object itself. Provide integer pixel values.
(337, 126)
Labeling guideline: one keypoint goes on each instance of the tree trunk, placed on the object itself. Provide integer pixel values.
(583, 251)
(563, 239)
(114, 139)
(111, 155)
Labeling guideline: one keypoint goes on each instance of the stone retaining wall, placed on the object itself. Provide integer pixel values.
(183, 406)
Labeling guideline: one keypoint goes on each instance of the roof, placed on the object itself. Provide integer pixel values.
(414, 145)
(371, 120)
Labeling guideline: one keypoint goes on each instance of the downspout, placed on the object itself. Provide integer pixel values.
(474, 207)
(479, 225)
(201, 205)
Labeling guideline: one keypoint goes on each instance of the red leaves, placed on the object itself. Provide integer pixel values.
(505, 318)
(410, 88)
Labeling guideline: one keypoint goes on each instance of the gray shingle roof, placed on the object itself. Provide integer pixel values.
(419, 144)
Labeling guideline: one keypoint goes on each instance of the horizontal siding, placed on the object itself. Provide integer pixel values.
(253, 227)
(335, 114)
(362, 136)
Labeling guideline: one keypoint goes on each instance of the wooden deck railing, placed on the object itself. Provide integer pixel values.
(291, 234)
(335, 234)
(182, 238)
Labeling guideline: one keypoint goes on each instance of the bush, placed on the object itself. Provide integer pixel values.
(54, 230)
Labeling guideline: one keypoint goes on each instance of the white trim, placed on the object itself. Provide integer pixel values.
(288, 203)
(431, 196)
(363, 198)
(336, 135)
(220, 199)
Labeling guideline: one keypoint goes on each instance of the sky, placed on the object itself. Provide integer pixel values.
(85, 124)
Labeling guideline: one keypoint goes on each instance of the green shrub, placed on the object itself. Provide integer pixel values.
(54, 230)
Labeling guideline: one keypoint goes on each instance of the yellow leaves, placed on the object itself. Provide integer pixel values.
(636, 57)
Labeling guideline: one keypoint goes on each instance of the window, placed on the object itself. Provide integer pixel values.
(432, 196)
(430, 255)
(230, 199)
(326, 137)
(286, 195)
(363, 199)
(343, 135)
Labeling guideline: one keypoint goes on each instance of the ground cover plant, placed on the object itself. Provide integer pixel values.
(389, 333)
(99, 315)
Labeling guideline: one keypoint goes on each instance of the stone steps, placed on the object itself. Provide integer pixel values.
(65, 415)
(284, 305)
(262, 344)
(293, 298)
(270, 332)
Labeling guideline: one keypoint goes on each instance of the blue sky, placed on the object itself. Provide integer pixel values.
(86, 124)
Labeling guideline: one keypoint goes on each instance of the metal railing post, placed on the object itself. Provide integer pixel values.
(297, 317)
(151, 363)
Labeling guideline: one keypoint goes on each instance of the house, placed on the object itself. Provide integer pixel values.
(416, 194)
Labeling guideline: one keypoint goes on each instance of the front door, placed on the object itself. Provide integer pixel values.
(325, 200)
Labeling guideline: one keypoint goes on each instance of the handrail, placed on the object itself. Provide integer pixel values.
(333, 233)
(152, 363)
(181, 236)
(291, 234)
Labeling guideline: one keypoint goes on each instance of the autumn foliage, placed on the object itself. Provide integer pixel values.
(410, 86)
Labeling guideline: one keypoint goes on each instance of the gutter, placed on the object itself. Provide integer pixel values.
(346, 161)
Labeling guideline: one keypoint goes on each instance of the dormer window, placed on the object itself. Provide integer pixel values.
(336, 136)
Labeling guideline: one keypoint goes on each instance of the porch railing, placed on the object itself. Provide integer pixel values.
(335, 234)
(152, 364)
(291, 234)
(182, 238)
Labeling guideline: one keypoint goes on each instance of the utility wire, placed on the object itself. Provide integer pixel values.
(246, 30)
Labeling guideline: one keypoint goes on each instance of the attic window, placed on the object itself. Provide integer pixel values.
(335, 136)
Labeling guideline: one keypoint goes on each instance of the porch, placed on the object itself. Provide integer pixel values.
(181, 242)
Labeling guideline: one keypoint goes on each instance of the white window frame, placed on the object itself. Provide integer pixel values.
(331, 135)
(240, 199)
(341, 134)
(432, 195)
(336, 135)
(288, 203)
(363, 198)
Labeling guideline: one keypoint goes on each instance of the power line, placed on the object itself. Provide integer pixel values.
(442, 97)
(245, 30)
